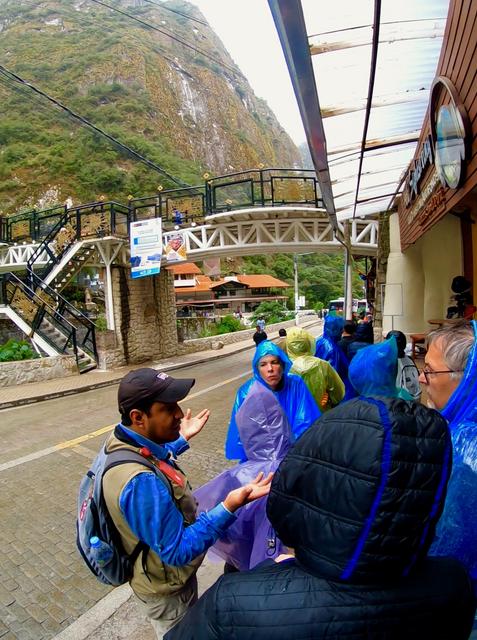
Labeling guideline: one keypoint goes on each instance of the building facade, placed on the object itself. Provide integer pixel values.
(197, 294)
(433, 234)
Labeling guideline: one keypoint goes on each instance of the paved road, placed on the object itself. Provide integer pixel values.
(46, 449)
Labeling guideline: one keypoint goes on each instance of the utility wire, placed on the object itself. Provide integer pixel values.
(179, 13)
(128, 150)
(148, 25)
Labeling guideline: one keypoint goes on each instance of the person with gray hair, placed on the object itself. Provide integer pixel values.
(449, 377)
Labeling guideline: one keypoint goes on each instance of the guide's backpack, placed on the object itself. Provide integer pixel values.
(93, 519)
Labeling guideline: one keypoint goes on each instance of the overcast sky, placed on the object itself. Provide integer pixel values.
(248, 32)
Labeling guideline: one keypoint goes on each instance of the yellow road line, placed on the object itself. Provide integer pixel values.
(68, 444)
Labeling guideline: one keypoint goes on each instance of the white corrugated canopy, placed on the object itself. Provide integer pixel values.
(340, 35)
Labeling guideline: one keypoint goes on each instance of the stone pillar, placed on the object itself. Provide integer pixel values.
(168, 344)
(145, 316)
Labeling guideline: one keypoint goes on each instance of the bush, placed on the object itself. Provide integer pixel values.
(101, 323)
(16, 350)
(271, 312)
(228, 324)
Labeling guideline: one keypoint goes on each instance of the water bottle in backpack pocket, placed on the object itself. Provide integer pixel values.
(100, 551)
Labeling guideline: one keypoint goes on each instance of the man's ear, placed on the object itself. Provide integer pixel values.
(137, 418)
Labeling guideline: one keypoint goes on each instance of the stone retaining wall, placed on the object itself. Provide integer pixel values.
(203, 344)
(37, 370)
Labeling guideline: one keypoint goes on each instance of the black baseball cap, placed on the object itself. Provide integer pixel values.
(150, 384)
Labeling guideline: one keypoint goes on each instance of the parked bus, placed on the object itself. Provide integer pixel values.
(337, 306)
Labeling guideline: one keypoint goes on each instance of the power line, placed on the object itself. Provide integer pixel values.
(152, 165)
(148, 25)
(179, 13)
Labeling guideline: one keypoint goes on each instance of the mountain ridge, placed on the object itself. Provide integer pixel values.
(188, 112)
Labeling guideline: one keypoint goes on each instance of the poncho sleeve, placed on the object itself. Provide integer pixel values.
(233, 447)
(299, 405)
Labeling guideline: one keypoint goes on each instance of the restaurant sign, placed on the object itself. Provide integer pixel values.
(447, 148)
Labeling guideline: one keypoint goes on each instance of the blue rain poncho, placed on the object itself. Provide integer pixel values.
(266, 437)
(327, 348)
(373, 370)
(293, 395)
(456, 533)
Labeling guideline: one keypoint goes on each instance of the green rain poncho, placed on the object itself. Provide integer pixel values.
(324, 383)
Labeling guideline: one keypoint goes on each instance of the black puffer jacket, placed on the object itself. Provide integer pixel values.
(357, 497)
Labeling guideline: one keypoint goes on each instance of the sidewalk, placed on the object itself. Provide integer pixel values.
(38, 391)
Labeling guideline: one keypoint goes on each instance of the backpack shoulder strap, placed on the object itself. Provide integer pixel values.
(124, 456)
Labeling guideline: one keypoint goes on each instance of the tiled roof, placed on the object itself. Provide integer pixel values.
(184, 268)
(203, 283)
(255, 281)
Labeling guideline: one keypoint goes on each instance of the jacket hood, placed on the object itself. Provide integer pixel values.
(359, 494)
(300, 343)
(267, 348)
(462, 405)
(373, 369)
(333, 327)
(262, 425)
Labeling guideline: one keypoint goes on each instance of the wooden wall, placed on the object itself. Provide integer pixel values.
(458, 62)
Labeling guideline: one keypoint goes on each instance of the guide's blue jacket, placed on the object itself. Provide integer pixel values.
(154, 518)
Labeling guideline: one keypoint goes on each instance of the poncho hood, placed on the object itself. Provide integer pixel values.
(267, 348)
(333, 327)
(300, 343)
(359, 494)
(462, 405)
(373, 370)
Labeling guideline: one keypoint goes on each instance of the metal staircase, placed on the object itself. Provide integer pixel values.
(53, 324)
(66, 251)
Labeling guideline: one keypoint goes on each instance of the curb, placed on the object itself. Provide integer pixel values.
(52, 395)
(9, 404)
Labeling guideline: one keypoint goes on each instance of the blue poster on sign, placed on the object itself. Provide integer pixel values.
(146, 247)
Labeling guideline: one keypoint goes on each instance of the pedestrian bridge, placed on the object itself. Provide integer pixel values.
(252, 212)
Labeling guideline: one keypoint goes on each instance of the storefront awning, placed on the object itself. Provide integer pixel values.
(364, 92)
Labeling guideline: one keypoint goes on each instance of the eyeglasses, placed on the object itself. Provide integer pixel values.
(429, 372)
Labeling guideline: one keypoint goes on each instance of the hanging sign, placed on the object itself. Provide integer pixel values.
(146, 247)
(175, 248)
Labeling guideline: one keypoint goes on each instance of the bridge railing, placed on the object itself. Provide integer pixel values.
(184, 205)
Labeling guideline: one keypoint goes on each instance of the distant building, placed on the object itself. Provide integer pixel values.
(200, 294)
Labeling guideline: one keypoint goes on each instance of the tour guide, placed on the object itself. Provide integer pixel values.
(141, 505)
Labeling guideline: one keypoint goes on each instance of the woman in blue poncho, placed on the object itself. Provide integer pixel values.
(327, 348)
(373, 370)
(271, 368)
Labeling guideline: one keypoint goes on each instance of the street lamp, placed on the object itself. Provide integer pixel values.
(297, 293)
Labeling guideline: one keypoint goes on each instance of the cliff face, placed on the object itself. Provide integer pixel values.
(179, 108)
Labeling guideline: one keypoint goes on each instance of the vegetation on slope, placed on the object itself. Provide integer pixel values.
(178, 108)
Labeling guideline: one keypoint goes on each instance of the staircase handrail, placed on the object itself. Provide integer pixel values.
(44, 246)
(78, 315)
(43, 309)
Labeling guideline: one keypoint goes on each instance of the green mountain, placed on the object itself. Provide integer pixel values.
(186, 107)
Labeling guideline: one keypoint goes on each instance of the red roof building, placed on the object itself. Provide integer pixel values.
(241, 293)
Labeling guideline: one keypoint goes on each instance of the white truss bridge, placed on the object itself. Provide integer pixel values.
(236, 233)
